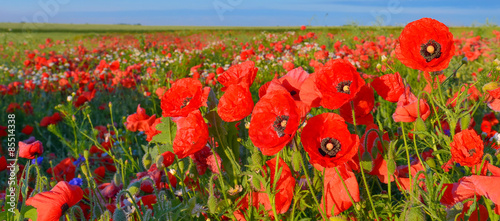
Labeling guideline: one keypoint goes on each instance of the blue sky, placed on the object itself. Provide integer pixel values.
(250, 12)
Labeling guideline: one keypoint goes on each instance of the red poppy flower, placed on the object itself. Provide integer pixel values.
(408, 108)
(100, 172)
(168, 158)
(3, 131)
(467, 148)
(372, 140)
(336, 198)
(328, 141)
(27, 130)
(364, 102)
(109, 190)
(148, 200)
(54, 119)
(65, 170)
(236, 103)
(3, 163)
(275, 120)
(85, 97)
(13, 107)
(389, 86)
(205, 159)
(51, 205)
(191, 136)
(482, 215)
(185, 96)
(285, 187)
(425, 44)
(244, 72)
(139, 121)
(338, 82)
(470, 187)
(309, 93)
(152, 131)
(31, 149)
(403, 175)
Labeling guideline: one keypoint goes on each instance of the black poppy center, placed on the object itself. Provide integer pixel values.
(430, 50)
(64, 208)
(472, 152)
(279, 125)
(344, 87)
(330, 146)
(293, 93)
(186, 101)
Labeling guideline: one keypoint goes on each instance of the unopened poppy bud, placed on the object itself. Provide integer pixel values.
(491, 86)
(430, 161)
(420, 125)
(256, 158)
(83, 167)
(366, 161)
(336, 218)
(212, 204)
(159, 162)
(86, 154)
(414, 213)
(465, 121)
(391, 166)
(134, 188)
(116, 179)
(147, 160)
(119, 215)
(296, 161)
(465, 60)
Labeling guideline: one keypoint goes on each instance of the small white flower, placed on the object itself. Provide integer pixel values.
(69, 98)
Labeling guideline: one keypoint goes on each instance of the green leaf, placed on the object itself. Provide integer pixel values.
(168, 130)
(29, 212)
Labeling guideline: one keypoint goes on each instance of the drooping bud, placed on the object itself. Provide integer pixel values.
(119, 215)
(147, 160)
(296, 161)
(134, 188)
(366, 161)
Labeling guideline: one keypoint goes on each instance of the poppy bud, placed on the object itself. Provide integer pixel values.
(119, 215)
(366, 161)
(256, 158)
(97, 210)
(420, 125)
(84, 170)
(212, 204)
(86, 154)
(116, 179)
(159, 162)
(147, 160)
(296, 160)
(464, 122)
(430, 161)
(414, 213)
(134, 188)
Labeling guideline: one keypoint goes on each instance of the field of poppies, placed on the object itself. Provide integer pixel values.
(350, 123)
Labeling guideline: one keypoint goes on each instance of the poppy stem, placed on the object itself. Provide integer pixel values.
(407, 154)
(273, 198)
(453, 74)
(360, 165)
(309, 184)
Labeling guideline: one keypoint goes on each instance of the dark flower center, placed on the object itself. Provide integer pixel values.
(430, 50)
(344, 87)
(472, 152)
(330, 146)
(293, 93)
(279, 125)
(64, 208)
(186, 102)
